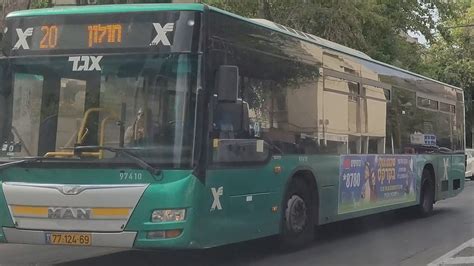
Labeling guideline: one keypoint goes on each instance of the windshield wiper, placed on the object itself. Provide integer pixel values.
(23, 161)
(122, 151)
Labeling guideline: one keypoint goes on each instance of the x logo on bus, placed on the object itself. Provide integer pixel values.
(22, 41)
(446, 167)
(161, 34)
(217, 193)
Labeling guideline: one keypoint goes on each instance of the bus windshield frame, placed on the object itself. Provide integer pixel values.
(156, 52)
(142, 102)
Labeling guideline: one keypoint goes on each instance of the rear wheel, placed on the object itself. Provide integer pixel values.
(427, 195)
(298, 216)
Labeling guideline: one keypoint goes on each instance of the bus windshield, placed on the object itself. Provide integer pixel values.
(142, 102)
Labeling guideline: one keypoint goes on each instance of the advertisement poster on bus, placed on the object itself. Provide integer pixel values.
(369, 181)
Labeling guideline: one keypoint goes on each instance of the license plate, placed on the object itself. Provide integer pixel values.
(70, 239)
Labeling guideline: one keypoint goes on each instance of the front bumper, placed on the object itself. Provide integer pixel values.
(125, 239)
(35, 237)
(129, 233)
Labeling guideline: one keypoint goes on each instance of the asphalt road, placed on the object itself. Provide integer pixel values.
(384, 239)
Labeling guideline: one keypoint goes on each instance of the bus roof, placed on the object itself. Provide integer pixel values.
(312, 37)
(103, 9)
(97, 9)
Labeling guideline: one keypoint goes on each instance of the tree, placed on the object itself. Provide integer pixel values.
(40, 3)
(371, 26)
(10, 6)
(451, 59)
(104, 2)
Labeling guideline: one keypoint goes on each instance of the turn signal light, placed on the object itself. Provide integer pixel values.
(164, 234)
(277, 169)
(173, 233)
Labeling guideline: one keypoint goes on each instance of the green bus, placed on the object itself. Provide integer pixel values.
(185, 126)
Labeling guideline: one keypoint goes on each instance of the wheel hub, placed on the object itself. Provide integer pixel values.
(296, 214)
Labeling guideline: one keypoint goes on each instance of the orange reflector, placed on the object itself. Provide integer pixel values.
(173, 233)
(277, 169)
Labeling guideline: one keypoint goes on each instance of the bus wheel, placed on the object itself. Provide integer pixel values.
(427, 195)
(298, 221)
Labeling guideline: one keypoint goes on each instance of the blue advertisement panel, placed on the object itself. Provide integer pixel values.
(369, 181)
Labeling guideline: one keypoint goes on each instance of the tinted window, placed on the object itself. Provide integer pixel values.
(280, 89)
(445, 107)
(427, 103)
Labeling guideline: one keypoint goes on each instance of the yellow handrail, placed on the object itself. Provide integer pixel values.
(80, 135)
(83, 132)
(102, 135)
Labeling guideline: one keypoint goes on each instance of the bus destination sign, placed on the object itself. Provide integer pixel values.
(27, 36)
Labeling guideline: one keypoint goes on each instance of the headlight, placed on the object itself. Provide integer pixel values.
(159, 216)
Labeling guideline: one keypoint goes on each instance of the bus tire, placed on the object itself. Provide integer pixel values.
(427, 195)
(297, 217)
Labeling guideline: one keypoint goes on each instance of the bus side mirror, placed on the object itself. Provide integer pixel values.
(231, 116)
(227, 82)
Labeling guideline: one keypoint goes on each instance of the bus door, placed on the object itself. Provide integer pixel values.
(450, 174)
(241, 183)
(241, 180)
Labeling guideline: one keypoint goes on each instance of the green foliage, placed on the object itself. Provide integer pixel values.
(371, 26)
(451, 59)
(106, 2)
(40, 3)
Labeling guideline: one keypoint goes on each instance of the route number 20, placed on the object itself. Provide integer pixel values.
(50, 38)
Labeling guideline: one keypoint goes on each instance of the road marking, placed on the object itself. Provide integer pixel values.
(449, 259)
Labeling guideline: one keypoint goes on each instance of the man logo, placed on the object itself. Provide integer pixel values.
(22, 35)
(69, 213)
(161, 34)
(71, 190)
(217, 193)
(89, 63)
